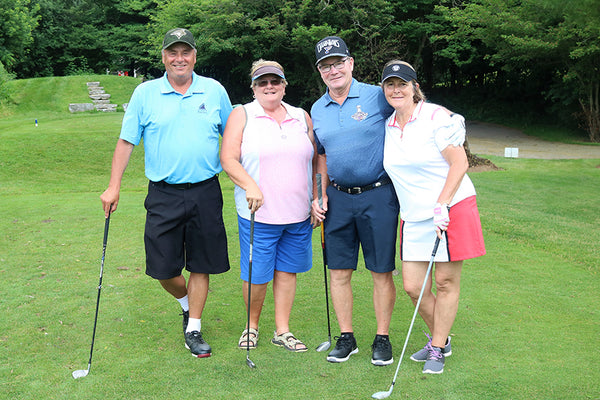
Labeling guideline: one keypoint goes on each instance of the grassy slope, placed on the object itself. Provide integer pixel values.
(527, 325)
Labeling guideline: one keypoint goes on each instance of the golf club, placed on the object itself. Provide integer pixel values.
(248, 360)
(80, 373)
(383, 395)
(325, 345)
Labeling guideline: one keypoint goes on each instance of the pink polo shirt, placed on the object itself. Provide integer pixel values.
(279, 159)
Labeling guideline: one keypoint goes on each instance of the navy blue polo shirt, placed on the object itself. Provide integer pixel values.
(352, 135)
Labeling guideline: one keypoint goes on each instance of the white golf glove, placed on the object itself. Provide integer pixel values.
(441, 219)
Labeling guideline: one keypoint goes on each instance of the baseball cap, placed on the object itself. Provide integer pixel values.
(267, 69)
(399, 70)
(179, 35)
(329, 47)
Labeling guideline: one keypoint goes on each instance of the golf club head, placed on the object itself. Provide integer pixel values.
(80, 373)
(382, 395)
(324, 346)
(250, 363)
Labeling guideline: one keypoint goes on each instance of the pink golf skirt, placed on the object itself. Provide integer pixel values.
(463, 239)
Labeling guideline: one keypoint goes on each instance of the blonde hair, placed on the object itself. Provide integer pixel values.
(265, 63)
(419, 95)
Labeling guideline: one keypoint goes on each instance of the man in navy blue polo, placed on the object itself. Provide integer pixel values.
(360, 208)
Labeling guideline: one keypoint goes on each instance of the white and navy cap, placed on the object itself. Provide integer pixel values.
(399, 70)
(329, 47)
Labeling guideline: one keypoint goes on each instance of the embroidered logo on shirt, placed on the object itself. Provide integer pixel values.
(360, 114)
(202, 108)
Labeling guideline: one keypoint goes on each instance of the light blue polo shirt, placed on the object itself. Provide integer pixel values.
(352, 134)
(180, 132)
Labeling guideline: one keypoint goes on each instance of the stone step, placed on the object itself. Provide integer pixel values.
(104, 96)
(81, 107)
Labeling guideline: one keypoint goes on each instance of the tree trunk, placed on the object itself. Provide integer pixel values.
(475, 161)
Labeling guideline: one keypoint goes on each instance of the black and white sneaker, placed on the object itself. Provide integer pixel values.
(186, 317)
(344, 348)
(196, 344)
(382, 351)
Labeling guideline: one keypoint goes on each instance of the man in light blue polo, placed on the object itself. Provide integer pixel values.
(360, 208)
(180, 117)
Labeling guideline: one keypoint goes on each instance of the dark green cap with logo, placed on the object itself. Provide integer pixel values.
(179, 35)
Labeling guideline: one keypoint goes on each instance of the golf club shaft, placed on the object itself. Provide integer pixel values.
(433, 253)
(325, 280)
(250, 363)
(320, 198)
(104, 242)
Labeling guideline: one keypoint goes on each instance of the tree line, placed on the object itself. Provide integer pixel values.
(537, 59)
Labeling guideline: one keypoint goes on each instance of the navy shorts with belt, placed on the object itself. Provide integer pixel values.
(184, 228)
(366, 217)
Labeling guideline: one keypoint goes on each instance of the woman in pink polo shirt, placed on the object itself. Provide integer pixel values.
(268, 150)
(425, 158)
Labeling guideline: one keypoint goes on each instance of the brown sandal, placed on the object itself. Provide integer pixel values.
(288, 341)
(248, 339)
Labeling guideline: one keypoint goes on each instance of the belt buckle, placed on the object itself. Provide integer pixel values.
(356, 190)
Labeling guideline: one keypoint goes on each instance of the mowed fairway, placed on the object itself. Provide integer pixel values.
(528, 325)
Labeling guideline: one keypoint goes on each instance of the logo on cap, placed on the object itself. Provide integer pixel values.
(179, 33)
(327, 45)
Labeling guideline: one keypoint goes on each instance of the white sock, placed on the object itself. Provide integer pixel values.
(194, 324)
(184, 303)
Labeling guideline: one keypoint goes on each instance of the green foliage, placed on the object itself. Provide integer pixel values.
(537, 58)
(5, 91)
(232, 34)
(84, 36)
(17, 20)
(536, 287)
(523, 43)
(78, 66)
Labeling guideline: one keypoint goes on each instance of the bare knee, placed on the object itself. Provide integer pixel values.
(447, 286)
(341, 277)
(412, 289)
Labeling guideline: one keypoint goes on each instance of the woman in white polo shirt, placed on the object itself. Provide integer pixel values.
(425, 158)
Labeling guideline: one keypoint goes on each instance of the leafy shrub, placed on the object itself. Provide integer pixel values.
(5, 92)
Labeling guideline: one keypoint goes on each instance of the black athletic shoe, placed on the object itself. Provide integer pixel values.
(344, 348)
(382, 351)
(186, 317)
(197, 345)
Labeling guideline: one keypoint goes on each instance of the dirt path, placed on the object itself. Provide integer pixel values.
(491, 139)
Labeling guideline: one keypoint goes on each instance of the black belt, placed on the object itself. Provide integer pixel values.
(361, 189)
(183, 186)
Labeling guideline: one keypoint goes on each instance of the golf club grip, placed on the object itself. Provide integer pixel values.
(106, 223)
(319, 190)
(435, 247)
(251, 228)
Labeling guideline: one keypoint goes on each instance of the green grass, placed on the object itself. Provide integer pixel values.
(527, 325)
